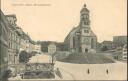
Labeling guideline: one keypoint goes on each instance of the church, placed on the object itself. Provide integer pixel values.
(82, 38)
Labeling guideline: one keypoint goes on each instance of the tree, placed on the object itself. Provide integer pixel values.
(33, 53)
(24, 57)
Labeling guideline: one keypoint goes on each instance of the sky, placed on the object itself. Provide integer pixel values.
(54, 19)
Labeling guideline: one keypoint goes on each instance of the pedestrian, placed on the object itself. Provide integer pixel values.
(59, 73)
(22, 76)
(107, 71)
(88, 71)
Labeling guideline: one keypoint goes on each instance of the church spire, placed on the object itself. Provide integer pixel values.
(84, 5)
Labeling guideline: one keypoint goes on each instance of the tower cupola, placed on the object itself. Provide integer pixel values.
(84, 17)
(84, 9)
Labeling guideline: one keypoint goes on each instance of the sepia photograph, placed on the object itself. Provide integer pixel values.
(63, 40)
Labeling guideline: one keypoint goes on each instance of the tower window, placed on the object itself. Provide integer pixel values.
(74, 42)
(86, 23)
(87, 16)
(86, 31)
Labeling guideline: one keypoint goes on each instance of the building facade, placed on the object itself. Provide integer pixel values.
(31, 46)
(37, 48)
(107, 44)
(4, 41)
(82, 38)
(52, 48)
(119, 41)
(18, 40)
(24, 40)
(14, 40)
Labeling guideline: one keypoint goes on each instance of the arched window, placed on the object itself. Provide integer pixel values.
(92, 41)
(74, 42)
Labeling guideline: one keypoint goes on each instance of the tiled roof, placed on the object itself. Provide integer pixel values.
(11, 15)
(107, 42)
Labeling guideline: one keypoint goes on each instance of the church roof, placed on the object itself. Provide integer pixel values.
(77, 29)
(92, 34)
(71, 32)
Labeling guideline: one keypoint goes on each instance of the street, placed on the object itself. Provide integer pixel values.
(116, 71)
(70, 71)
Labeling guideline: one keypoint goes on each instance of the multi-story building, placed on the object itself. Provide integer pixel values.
(18, 40)
(25, 42)
(107, 44)
(119, 41)
(21, 44)
(4, 32)
(52, 48)
(14, 40)
(37, 48)
(31, 46)
(82, 38)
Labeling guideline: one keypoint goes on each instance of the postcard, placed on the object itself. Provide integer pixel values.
(63, 40)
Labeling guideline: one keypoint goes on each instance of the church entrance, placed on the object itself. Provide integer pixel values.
(86, 50)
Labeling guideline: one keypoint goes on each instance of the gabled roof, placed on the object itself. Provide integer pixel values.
(107, 42)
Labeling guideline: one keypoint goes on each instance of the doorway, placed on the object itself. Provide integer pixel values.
(86, 50)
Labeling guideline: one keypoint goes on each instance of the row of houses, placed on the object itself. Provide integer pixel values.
(117, 43)
(60, 46)
(13, 40)
(117, 47)
(18, 40)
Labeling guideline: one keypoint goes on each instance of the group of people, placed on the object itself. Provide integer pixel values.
(88, 71)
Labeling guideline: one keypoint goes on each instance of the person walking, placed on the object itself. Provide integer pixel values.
(107, 71)
(88, 71)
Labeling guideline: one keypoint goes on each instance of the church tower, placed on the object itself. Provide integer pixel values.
(87, 37)
(84, 17)
(84, 24)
